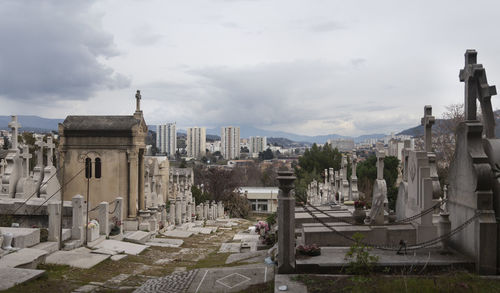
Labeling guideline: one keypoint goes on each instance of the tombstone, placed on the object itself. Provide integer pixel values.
(103, 219)
(171, 214)
(38, 169)
(178, 211)
(427, 121)
(189, 214)
(13, 169)
(78, 226)
(402, 199)
(353, 187)
(379, 197)
(199, 212)
(50, 184)
(344, 188)
(118, 214)
(205, 210)
(26, 186)
(474, 186)
(286, 222)
(54, 210)
(3, 164)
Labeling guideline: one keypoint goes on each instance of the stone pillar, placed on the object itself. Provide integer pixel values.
(171, 216)
(77, 228)
(103, 218)
(199, 212)
(286, 223)
(133, 187)
(178, 211)
(184, 209)
(188, 213)
(140, 180)
(205, 210)
(54, 209)
(119, 212)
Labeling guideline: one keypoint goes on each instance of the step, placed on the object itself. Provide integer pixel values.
(139, 237)
(28, 258)
(23, 237)
(48, 246)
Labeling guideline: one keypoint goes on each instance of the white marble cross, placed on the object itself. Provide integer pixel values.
(14, 125)
(427, 121)
(50, 150)
(380, 165)
(26, 156)
(39, 154)
(354, 165)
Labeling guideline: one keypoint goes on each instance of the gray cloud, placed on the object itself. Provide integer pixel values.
(50, 51)
(326, 27)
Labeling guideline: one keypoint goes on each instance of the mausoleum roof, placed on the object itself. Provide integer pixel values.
(96, 123)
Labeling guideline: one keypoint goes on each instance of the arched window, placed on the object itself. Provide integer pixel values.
(97, 168)
(88, 168)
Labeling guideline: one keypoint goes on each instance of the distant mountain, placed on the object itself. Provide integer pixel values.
(32, 123)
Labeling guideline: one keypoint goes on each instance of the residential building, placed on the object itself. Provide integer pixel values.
(257, 144)
(196, 142)
(166, 139)
(343, 145)
(261, 199)
(230, 142)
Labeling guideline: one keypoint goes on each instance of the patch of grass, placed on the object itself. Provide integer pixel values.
(212, 260)
(450, 282)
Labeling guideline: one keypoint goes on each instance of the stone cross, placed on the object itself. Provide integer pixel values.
(3, 164)
(14, 125)
(50, 150)
(26, 156)
(427, 121)
(354, 165)
(138, 101)
(326, 176)
(477, 87)
(380, 165)
(39, 154)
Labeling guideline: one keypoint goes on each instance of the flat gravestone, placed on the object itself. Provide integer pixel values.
(178, 234)
(230, 247)
(246, 237)
(139, 237)
(200, 230)
(165, 242)
(76, 259)
(9, 277)
(118, 257)
(22, 257)
(23, 237)
(237, 257)
(121, 246)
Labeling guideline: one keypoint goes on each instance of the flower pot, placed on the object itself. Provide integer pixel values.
(359, 216)
(92, 234)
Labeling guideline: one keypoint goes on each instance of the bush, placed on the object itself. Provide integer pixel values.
(361, 262)
(237, 206)
(271, 219)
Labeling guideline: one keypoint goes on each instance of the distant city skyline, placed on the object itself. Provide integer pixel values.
(310, 68)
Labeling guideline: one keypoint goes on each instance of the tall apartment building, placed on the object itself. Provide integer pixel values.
(257, 144)
(196, 142)
(230, 142)
(166, 139)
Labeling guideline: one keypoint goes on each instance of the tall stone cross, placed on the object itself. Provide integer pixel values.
(14, 125)
(138, 101)
(380, 165)
(477, 87)
(354, 165)
(3, 164)
(427, 121)
(50, 150)
(26, 157)
(39, 154)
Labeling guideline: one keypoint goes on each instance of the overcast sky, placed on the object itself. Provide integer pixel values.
(308, 67)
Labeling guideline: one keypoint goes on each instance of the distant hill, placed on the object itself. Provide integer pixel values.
(32, 123)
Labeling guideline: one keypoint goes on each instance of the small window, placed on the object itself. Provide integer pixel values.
(88, 168)
(97, 168)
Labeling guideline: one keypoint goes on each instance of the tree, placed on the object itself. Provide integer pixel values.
(244, 149)
(5, 143)
(266, 155)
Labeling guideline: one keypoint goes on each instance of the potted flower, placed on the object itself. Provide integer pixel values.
(359, 213)
(92, 230)
(309, 250)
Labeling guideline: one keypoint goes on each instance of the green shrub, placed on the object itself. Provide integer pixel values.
(361, 262)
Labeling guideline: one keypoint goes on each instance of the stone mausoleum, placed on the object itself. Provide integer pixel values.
(105, 155)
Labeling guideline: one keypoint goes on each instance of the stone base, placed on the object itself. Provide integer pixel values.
(130, 225)
(425, 233)
(23, 237)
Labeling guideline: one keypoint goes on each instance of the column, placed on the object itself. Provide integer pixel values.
(77, 228)
(119, 212)
(103, 218)
(141, 180)
(54, 210)
(133, 181)
(286, 223)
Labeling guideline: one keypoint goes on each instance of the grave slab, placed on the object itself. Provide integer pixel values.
(76, 259)
(139, 237)
(24, 258)
(237, 257)
(118, 257)
(119, 246)
(230, 247)
(9, 277)
(246, 237)
(178, 234)
(48, 246)
(23, 237)
(165, 242)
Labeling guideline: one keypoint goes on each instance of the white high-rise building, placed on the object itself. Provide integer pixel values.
(166, 139)
(230, 142)
(196, 142)
(257, 144)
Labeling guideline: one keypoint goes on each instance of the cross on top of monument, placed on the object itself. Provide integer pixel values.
(50, 153)
(427, 121)
(39, 154)
(138, 101)
(14, 125)
(380, 164)
(476, 86)
(26, 156)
